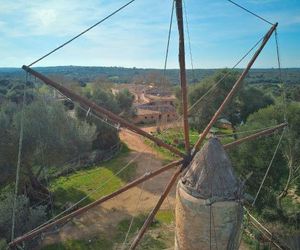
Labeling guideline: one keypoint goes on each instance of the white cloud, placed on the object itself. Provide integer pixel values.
(134, 37)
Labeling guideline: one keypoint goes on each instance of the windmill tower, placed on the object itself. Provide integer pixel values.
(208, 204)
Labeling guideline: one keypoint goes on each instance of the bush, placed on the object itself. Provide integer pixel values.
(27, 217)
(269, 214)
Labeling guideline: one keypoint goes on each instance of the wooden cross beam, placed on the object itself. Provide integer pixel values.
(82, 210)
(233, 91)
(100, 110)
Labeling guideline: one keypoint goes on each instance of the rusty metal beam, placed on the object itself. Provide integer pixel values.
(82, 210)
(233, 90)
(155, 210)
(183, 81)
(254, 136)
(101, 111)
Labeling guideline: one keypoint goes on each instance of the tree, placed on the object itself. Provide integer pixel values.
(255, 156)
(251, 100)
(106, 136)
(26, 218)
(247, 101)
(204, 110)
(13, 91)
(51, 137)
(291, 148)
(125, 100)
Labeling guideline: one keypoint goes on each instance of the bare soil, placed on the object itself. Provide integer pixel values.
(104, 218)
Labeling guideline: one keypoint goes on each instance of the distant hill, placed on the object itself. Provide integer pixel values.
(125, 75)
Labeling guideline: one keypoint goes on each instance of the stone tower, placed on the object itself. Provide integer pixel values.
(208, 202)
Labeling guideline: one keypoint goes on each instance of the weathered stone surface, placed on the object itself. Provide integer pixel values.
(210, 175)
(201, 226)
(208, 208)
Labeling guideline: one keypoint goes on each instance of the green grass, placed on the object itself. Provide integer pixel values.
(162, 217)
(157, 237)
(175, 137)
(73, 187)
(93, 244)
(165, 216)
(290, 206)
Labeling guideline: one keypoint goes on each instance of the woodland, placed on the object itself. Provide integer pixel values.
(61, 138)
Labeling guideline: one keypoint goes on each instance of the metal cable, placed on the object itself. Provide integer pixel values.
(281, 78)
(247, 131)
(189, 39)
(90, 193)
(268, 169)
(45, 171)
(88, 111)
(213, 221)
(210, 222)
(168, 42)
(132, 219)
(252, 13)
(19, 160)
(218, 82)
(80, 34)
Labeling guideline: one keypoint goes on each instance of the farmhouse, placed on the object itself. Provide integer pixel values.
(154, 105)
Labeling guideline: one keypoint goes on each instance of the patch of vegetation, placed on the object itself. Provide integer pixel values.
(92, 244)
(151, 243)
(290, 205)
(165, 216)
(75, 186)
(175, 137)
(251, 242)
(157, 237)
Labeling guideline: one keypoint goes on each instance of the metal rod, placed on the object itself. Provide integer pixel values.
(155, 210)
(233, 90)
(266, 233)
(183, 81)
(79, 211)
(254, 136)
(101, 111)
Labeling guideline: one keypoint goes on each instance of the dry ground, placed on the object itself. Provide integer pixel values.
(104, 218)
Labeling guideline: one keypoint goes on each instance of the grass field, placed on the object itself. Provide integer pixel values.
(159, 236)
(175, 137)
(71, 188)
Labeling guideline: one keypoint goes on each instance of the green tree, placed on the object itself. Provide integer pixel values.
(106, 136)
(51, 136)
(204, 110)
(255, 156)
(125, 100)
(251, 100)
(27, 217)
(247, 101)
(13, 91)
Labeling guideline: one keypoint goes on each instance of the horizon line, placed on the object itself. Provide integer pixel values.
(134, 67)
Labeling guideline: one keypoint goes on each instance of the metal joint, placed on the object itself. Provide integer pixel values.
(186, 161)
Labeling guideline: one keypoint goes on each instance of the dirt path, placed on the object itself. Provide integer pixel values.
(104, 218)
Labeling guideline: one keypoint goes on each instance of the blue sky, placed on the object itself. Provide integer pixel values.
(136, 37)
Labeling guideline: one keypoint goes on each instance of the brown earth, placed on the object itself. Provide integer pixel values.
(104, 218)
